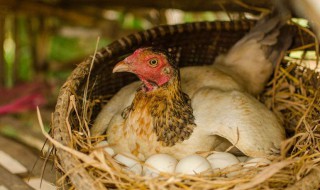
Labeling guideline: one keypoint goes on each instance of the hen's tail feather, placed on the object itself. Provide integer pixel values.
(276, 51)
(271, 34)
(252, 59)
(278, 39)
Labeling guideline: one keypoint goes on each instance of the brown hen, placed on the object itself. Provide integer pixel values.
(210, 108)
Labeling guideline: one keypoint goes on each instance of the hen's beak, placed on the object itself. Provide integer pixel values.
(122, 66)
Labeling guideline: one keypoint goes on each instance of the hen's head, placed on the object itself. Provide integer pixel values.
(153, 66)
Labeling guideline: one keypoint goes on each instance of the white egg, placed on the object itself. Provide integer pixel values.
(131, 162)
(256, 162)
(106, 148)
(193, 164)
(159, 163)
(220, 160)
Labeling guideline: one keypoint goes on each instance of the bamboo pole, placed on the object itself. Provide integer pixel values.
(2, 60)
(16, 62)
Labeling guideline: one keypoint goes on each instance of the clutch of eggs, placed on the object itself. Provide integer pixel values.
(190, 165)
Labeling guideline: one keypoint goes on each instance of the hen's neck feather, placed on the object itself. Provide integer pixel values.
(170, 111)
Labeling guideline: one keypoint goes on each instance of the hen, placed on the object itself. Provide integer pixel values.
(210, 108)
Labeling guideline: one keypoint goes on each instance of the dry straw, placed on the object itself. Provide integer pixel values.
(293, 94)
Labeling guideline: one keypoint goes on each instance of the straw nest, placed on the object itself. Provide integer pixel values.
(292, 93)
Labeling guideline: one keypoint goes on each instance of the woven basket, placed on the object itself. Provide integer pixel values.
(193, 44)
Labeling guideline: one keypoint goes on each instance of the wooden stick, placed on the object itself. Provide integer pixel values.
(2, 61)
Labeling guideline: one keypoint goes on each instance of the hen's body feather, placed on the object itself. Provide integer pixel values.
(222, 102)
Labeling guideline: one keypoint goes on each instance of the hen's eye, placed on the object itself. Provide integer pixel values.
(153, 62)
